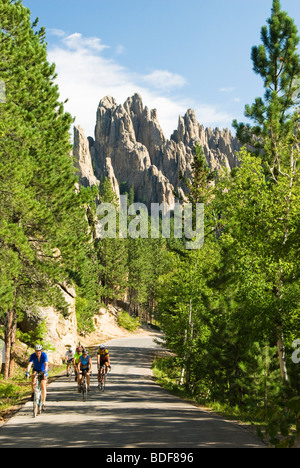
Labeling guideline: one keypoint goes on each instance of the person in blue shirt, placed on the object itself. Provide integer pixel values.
(38, 361)
(84, 367)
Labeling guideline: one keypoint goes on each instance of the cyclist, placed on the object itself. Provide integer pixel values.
(102, 359)
(69, 358)
(76, 360)
(84, 368)
(39, 362)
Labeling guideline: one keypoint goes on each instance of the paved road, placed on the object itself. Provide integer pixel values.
(134, 412)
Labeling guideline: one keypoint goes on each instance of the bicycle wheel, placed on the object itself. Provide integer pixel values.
(37, 402)
(84, 390)
(101, 385)
(40, 403)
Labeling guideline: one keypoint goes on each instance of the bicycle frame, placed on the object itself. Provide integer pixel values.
(101, 384)
(71, 370)
(83, 385)
(37, 399)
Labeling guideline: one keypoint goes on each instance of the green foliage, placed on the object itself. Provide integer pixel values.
(259, 377)
(8, 391)
(198, 186)
(128, 322)
(84, 314)
(166, 371)
(43, 229)
(230, 310)
(11, 394)
(283, 424)
(255, 229)
(111, 251)
(219, 307)
(276, 60)
(34, 336)
(127, 265)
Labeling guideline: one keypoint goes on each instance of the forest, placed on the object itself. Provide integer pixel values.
(230, 309)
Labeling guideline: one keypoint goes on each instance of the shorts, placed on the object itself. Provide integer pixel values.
(102, 361)
(42, 374)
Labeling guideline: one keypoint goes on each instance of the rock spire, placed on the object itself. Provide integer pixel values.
(129, 147)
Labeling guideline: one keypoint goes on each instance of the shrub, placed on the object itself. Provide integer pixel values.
(128, 322)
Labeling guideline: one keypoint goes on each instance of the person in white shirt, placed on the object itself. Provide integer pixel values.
(69, 359)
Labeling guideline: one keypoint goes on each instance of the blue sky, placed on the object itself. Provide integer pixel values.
(176, 54)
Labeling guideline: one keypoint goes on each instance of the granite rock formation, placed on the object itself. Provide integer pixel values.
(129, 147)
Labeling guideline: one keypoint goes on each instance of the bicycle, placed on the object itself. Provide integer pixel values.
(103, 375)
(83, 386)
(71, 375)
(37, 396)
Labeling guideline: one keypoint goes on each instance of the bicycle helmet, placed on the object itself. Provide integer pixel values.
(102, 346)
(38, 347)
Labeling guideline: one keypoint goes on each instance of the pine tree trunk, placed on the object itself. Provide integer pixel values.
(282, 359)
(8, 342)
(12, 349)
(10, 333)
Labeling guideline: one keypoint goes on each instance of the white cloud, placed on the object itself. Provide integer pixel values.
(164, 80)
(211, 116)
(86, 75)
(56, 32)
(77, 42)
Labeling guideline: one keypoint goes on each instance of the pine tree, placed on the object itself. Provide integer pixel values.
(199, 187)
(111, 252)
(275, 134)
(275, 117)
(139, 272)
(41, 229)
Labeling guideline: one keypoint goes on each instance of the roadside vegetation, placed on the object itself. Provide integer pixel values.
(128, 322)
(276, 424)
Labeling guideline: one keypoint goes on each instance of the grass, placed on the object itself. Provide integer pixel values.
(12, 394)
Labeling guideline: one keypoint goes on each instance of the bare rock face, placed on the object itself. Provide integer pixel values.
(82, 158)
(61, 331)
(219, 146)
(131, 150)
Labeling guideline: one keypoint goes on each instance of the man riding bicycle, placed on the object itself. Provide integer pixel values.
(39, 362)
(84, 368)
(103, 359)
(69, 359)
